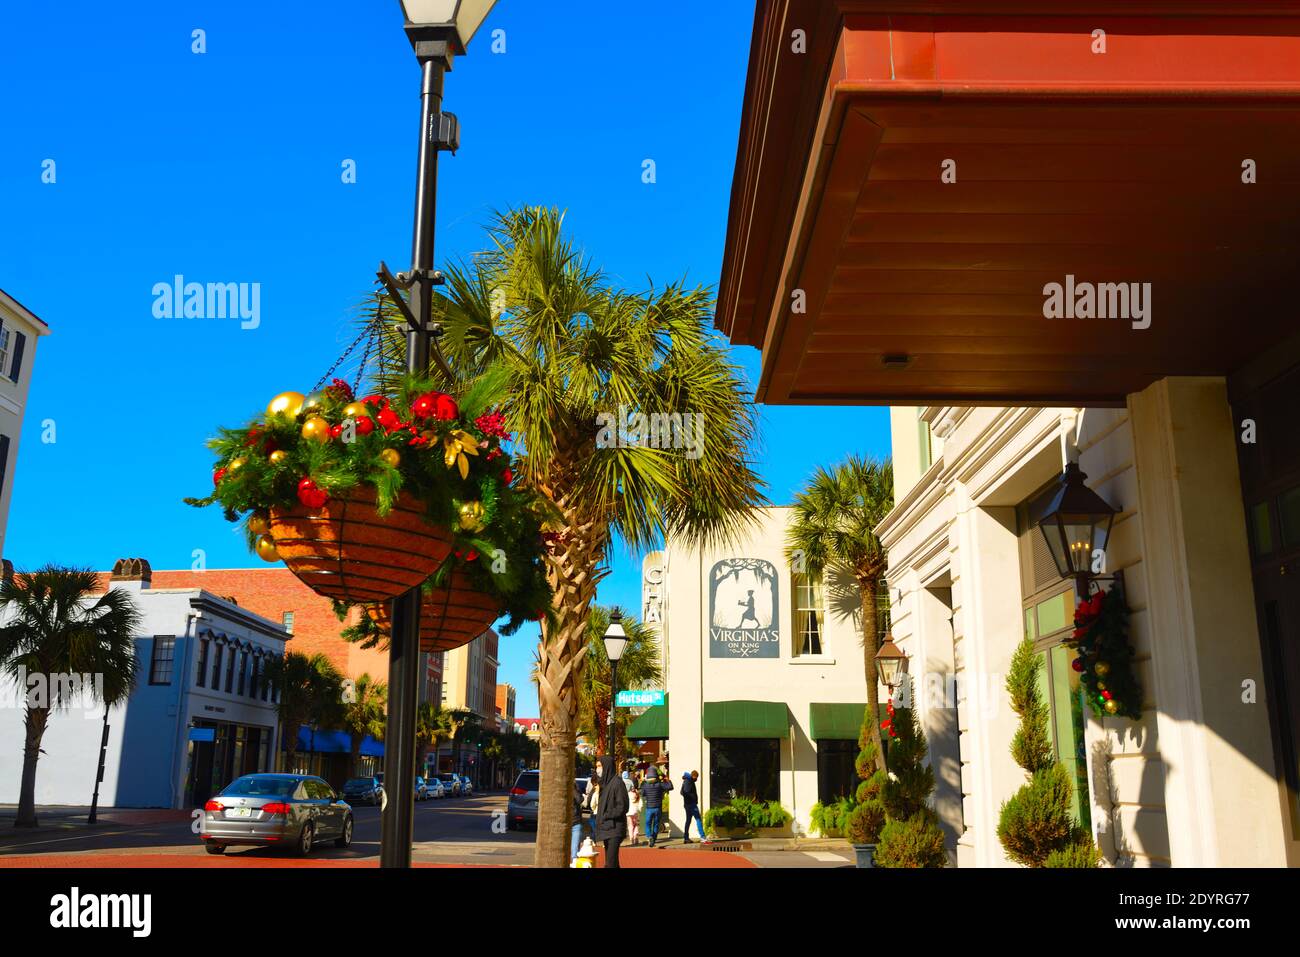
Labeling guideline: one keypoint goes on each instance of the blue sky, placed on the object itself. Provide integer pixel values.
(226, 167)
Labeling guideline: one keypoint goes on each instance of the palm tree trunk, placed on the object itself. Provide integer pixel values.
(573, 575)
(290, 744)
(36, 719)
(867, 590)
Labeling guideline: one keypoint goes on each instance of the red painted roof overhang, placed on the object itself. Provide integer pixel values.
(1123, 166)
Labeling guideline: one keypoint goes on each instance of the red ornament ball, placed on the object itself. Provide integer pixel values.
(217, 476)
(1106, 695)
(364, 425)
(311, 495)
(444, 407)
(507, 476)
(424, 406)
(1077, 664)
(336, 431)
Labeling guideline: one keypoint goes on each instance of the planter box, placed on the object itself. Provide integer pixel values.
(736, 833)
(866, 854)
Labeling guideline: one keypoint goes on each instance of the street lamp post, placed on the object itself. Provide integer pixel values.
(615, 642)
(438, 30)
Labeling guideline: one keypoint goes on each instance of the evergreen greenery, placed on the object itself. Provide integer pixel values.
(744, 813)
(1037, 826)
(864, 822)
(911, 836)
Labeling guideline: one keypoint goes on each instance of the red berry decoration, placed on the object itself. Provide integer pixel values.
(1106, 695)
(336, 431)
(471, 555)
(364, 425)
(218, 475)
(311, 495)
(507, 476)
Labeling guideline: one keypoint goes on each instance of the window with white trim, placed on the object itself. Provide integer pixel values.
(809, 615)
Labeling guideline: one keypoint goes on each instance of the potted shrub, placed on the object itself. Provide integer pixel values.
(744, 817)
(830, 820)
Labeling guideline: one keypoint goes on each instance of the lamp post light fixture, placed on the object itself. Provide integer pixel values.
(615, 643)
(888, 660)
(438, 30)
(1076, 525)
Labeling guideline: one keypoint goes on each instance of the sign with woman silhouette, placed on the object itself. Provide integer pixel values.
(743, 609)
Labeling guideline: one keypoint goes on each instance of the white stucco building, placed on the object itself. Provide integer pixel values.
(19, 331)
(765, 679)
(200, 715)
(1206, 777)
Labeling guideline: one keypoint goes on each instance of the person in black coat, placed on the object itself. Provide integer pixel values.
(691, 801)
(653, 790)
(610, 821)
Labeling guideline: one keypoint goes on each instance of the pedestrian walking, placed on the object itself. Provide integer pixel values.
(579, 820)
(633, 805)
(653, 792)
(691, 800)
(610, 821)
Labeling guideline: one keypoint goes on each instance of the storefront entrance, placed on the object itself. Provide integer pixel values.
(744, 767)
(1269, 401)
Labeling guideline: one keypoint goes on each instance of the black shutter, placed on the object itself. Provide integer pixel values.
(4, 460)
(20, 341)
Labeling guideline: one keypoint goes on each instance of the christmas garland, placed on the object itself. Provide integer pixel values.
(446, 452)
(1105, 657)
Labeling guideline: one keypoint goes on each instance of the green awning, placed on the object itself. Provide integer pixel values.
(745, 719)
(827, 721)
(650, 725)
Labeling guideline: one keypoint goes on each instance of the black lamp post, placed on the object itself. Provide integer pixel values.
(1076, 524)
(438, 30)
(615, 643)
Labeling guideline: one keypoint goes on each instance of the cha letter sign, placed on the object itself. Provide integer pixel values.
(743, 609)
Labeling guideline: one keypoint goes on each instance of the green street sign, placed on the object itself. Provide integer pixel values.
(638, 699)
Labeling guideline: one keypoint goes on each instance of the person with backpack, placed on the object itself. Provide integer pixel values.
(653, 792)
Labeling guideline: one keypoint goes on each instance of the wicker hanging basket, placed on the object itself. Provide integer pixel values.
(450, 617)
(346, 551)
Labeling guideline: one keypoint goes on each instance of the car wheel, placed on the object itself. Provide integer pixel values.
(345, 839)
(305, 838)
(215, 848)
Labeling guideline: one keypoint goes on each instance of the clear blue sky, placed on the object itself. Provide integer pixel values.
(226, 167)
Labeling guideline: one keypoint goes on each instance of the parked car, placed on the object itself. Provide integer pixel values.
(521, 806)
(421, 789)
(466, 786)
(451, 782)
(435, 787)
(364, 790)
(276, 810)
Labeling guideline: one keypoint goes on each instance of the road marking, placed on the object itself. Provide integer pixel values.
(826, 857)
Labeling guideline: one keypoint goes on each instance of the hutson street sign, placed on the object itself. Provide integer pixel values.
(743, 609)
(638, 699)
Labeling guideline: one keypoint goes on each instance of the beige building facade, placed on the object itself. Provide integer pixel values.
(19, 332)
(1201, 779)
(765, 684)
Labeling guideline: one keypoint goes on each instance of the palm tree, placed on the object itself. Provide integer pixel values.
(432, 728)
(834, 527)
(306, 689)
(58, 629)
(579, 355)
(463, 724)
(638, 668)
(364, 713)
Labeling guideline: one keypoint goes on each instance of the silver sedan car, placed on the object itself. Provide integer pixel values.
(276, 810)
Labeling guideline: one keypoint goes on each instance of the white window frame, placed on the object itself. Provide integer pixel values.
(812, 588)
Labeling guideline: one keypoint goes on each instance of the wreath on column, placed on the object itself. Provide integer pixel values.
(1105, 656)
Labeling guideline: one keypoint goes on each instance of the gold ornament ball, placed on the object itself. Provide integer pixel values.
(278, 456)
(356, 410)
(313, 401)
(390, 457)
(1111, 706)
(471, 516)
(288, 404)
(1101, 686)
(316, 429)
(257, 524)
(1102, 669)
(236, 464)
(266, 549)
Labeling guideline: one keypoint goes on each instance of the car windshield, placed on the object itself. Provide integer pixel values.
(527, 782)
(449, 778)
(261, 784)
(359, 782)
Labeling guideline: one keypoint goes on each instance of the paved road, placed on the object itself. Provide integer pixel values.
(451, 831)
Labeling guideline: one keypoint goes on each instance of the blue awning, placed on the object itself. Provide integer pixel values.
(336, 742)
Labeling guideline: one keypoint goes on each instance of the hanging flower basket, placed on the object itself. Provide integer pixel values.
(364, 499)
(346, 551)
(450, 616)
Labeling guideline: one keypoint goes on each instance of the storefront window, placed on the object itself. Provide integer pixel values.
(744, 767)
(809, 615)
(836, 777)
